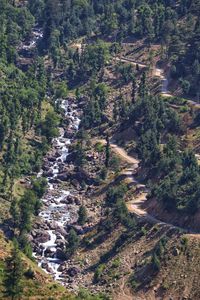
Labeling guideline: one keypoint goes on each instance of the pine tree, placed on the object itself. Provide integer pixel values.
(13, 274)
(82, 215)
(134, 90)
(73, 242)
(14, 211)
(142, 86)
(107, 152)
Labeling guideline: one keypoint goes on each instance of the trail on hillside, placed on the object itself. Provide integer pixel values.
(134, 206)
(157, 72)
(122, 153)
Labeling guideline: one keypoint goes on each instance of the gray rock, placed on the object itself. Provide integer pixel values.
(48, 174)
(42, 236)
(51, 158)
(49, 253)
(60, 254)
(72, 272)
(79, 229)
(63, 176)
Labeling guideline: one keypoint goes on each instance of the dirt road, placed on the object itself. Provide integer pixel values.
(122, 153)
(134, 206)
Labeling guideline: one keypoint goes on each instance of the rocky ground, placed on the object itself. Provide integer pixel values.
(63, 198)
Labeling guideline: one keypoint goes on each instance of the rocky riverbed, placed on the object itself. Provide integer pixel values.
(60, 204)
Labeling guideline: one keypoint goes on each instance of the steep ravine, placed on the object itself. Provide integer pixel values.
(60, 205)
(49, 234)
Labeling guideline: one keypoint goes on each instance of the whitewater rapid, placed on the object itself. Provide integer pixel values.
(54, 209)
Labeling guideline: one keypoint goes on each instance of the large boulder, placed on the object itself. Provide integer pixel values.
(49, 252)
(73, 271)
(41, 236)
(38, 249)
(60, 243)
(62, 232)
(63, 176)
(63, 267)
(51, 158)
(54, 180)
(70, 157)
(60, 254)
(48, 174)
(83, 176)
(45, 266)
(79, 229)
(69, 134)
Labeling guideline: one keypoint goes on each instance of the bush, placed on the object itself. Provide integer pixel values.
(39, 186)
(82, 215)
(184, 243)
(156, 262)
(73, 242)
(116, 263)
(103, 173)
(134, 283)
(98, 273)
(115, 163)
(99, 147)
(29, 274)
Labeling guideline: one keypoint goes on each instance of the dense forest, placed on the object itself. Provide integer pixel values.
(175, 26)
(61, 60)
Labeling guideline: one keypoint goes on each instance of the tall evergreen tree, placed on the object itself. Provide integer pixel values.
(13, 274)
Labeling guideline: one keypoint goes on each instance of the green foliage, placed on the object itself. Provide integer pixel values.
(82, 215)
(13, 274)
(115, 193)
(115, 163)
(39, 186)
(99, 147)
(93, 112)
(107, 152)
(98, 273)
(157, 118)
(115, 200)
(178, 188)
(73, 243)
(158, 254)
(134, 283)
(28, 206)
(22, 211)
(49, 127)
(156, 262)
(126, 72)
(79, 154)
(86, 295)
(61, 90)
(116, 263)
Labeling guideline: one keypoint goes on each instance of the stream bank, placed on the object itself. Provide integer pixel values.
(60, 203)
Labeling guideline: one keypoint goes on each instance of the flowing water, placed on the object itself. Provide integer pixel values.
(54, 209)
(54, 213)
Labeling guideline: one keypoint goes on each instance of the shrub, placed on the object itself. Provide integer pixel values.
(98, 273)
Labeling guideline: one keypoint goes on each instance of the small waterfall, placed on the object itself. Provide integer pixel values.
(54, 208)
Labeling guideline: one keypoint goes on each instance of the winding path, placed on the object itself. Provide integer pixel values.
(134, 206)
(157, 72)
